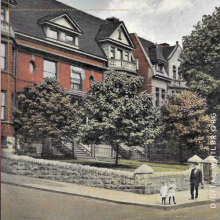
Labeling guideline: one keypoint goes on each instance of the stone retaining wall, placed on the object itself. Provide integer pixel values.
(91, 176)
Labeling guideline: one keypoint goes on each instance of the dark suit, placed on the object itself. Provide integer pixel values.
(195, 180)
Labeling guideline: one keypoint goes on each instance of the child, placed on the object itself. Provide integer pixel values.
(171, 191)
(163, 192)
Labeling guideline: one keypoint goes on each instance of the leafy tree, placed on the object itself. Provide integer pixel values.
(46, 110)
(201, 65)
(186, 124)
(117, 114)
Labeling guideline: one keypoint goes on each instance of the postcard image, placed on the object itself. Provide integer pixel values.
(110, 109)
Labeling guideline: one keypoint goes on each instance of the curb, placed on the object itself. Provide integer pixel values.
(161, 207)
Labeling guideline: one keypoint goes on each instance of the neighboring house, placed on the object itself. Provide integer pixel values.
(152, 67)
(173, 56)
(68, 44)
(158, 64)
(8, 64)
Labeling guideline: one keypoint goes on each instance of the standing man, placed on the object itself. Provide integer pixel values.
(195, 180)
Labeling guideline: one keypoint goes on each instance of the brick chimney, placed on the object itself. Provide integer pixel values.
(164, 45)
(113, 19)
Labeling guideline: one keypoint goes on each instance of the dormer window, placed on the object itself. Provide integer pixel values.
(61, 28)
(64, 37)
(160, 67)
(69, 39)
(54, 34)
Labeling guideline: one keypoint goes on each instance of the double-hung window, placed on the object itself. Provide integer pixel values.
(3, 56)
(77, 78)
(126, 56)
(3, 105)
(157, 101)
(75, 81)
(50, 69)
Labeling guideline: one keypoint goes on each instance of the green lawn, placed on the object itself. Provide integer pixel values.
(129, 165)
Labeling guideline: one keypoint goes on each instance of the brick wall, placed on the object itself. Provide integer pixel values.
(144, 65)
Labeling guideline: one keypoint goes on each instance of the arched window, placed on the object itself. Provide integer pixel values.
(32, 66)
(174, 72)
(91, 80)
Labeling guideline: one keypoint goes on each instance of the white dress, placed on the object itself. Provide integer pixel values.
(171, 189)
(163, 191)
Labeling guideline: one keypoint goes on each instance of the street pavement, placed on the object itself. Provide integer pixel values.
(154, 201)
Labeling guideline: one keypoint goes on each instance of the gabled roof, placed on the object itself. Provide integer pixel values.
(89, 24)
(155, 52)
(167, 51)
(146, 44)
(106, 30)
(50, 18)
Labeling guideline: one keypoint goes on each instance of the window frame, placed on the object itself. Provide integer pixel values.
(174, 72)
(54, 31)
(157, 97)
(4, 111)
(34, 66)
(112, 53)
(160, 67)
(163, 95)
(4, 57)
(120, 53)
(91, 80)
(62, 35)
(73, 81)
(126, 55)
(56, 69)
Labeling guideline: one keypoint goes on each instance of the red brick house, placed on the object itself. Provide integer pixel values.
(158, 64)
(46, 38)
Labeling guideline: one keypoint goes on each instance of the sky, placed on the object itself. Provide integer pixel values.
(160, 21)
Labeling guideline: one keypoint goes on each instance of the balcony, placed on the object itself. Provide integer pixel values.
(122, 64)
(7, 29)
(178, 84)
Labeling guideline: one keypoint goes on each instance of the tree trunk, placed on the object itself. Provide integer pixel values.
(73, 150)
(116, 158)
(46, 148)
(181, 159)
(93, 150)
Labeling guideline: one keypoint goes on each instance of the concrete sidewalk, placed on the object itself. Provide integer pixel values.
(182, 198)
